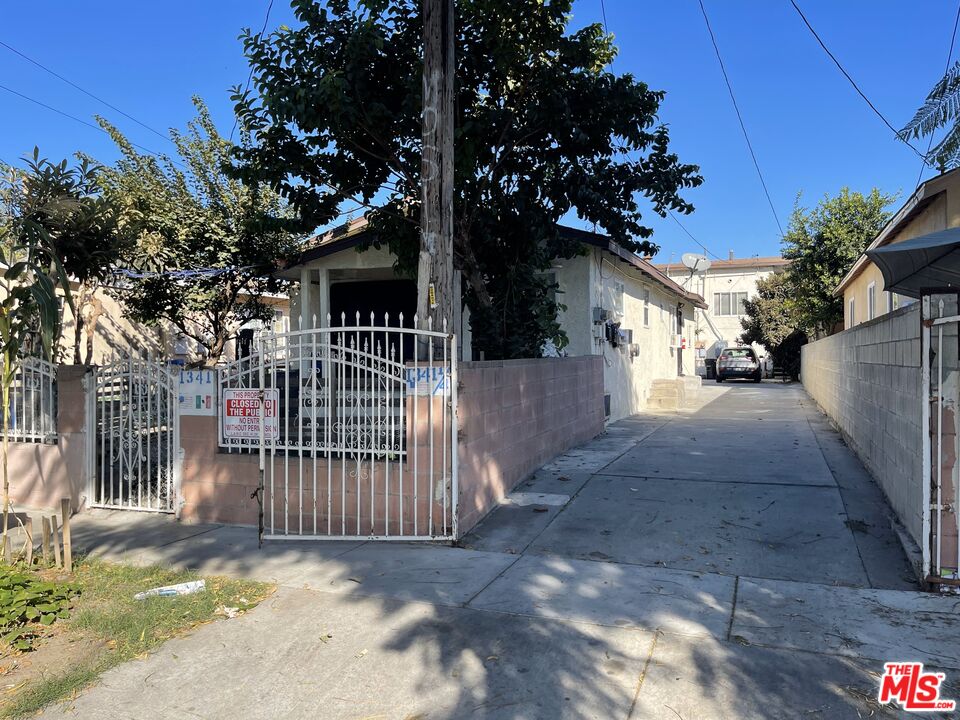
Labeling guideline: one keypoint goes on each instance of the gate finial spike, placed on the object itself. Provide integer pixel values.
(358, 318)
(430, 322)
(343, 319)
(314, 322)
(401, 319)
(444, 325)
(386, 319)
(372, 320)
(416, 321)
(328, 319)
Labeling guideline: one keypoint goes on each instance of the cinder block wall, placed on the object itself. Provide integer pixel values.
(867, 380)
(515, 415)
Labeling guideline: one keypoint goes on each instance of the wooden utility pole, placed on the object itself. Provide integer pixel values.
(435, 287)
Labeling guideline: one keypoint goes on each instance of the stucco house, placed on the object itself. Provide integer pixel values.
(725, 285)
(618, 306)
(934, 205)
(115, 334)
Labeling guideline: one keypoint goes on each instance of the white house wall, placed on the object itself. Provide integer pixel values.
(628, 380)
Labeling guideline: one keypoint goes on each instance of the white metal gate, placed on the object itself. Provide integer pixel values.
(940, 393)
(137, 438)
(355, 428)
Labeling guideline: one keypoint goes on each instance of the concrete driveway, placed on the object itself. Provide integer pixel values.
(729, 562)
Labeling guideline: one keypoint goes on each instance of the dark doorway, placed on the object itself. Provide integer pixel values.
(378, 297)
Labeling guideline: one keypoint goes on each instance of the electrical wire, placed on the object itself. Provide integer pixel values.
(946, 69)
(246, 88)
(83, 122)
(683, 227)
(856, 87)
(84, 91)
(736, 108)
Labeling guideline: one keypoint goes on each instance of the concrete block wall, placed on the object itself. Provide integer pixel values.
(514, 416)
(867, 380)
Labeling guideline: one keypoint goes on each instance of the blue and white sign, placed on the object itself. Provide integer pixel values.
(428, 381)
(198, 392)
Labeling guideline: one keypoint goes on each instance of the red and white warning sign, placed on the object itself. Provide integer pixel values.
(241, 414)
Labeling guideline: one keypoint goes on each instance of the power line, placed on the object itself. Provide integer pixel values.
(83, 122)
(946, 69)
(683, 227)
(853, 83)
(85, 92)
(736, 108)
(246, 87)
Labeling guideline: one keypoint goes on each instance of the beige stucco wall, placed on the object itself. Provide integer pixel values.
(720, 279)
(117, 335)
(931, 219)
(941, 213)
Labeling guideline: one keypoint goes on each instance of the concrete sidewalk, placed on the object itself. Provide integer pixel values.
(733, 562)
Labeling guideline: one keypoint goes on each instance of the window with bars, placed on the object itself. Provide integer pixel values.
(729, 303)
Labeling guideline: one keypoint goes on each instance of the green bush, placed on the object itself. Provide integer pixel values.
(27, 604)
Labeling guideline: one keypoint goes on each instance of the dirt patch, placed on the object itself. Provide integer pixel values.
(54, 655)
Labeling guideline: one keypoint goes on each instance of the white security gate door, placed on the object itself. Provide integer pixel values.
(940, 412)
(355, 428)
(137, 439)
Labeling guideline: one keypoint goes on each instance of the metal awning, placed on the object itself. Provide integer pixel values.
(925, 262)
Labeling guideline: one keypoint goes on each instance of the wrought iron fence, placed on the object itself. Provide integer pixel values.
(33, 402)
(355, 426)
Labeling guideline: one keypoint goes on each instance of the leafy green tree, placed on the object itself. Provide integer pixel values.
(771, 321)
(35, 205)
(941, 109)
(822, 244)
(201, 245)
(543, 130)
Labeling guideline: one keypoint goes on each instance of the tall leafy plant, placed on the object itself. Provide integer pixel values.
(202, 245)
(33, 202)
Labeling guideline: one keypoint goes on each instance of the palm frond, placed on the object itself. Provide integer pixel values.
(940, 106)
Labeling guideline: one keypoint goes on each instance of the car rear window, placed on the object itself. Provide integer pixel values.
(744, 353)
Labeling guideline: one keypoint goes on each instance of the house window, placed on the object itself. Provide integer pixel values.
(729, 303)
(646, 307)
(871, 301)
(894, 301)
(618, 298)
(852, 313)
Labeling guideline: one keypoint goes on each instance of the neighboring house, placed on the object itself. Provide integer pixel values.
(115, 335)
(618, 305)
(933, 206)
(725, 286)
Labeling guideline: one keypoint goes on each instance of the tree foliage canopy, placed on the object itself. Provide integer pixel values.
(543, 129)
(822, 244)
(771, 321)
(202, 243)
(940, 109)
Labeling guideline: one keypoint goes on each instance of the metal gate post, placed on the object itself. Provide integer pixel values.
(454, 432)
(90, 426)
(925, 434)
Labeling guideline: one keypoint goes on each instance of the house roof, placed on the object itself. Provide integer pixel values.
(733, 264)
(925, 194)
(643, 265)
(350, 234)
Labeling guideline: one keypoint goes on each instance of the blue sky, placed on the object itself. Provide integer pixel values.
(810, 130)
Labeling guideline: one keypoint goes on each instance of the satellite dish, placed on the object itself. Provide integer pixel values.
(696, 263)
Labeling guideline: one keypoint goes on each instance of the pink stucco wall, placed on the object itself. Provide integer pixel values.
(41, 474)
(515, 415)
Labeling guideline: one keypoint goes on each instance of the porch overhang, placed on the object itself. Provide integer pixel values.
(928, 261)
